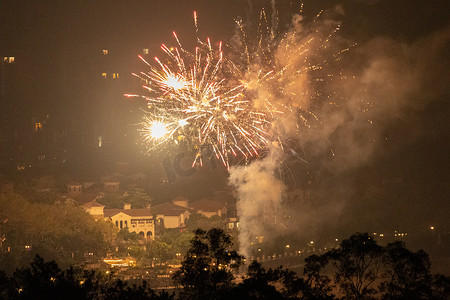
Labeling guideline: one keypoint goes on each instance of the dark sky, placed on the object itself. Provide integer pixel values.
(49, 23)
(401, 63)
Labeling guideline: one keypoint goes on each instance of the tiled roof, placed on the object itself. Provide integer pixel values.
(86, 197)
(207, 205)
(134, 212)
(169, 209)
(109, 212)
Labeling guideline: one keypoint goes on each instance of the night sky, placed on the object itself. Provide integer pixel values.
(392, 174)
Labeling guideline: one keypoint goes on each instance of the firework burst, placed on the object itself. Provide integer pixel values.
(195, 98)
(230, 103)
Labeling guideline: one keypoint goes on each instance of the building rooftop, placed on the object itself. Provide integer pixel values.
(133, 212)
(207, 205)
(169, 209)
(92, 204)
(86, 197)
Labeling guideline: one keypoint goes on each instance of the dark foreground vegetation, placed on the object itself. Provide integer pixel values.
(358, 269)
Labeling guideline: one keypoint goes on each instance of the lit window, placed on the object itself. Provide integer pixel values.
(115, 75)
(37, 126)
(104, 75)
(8, 59)
(145, 51)
(105, 51)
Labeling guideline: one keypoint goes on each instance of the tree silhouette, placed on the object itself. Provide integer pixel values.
(207, 271)
(258, 284)
(45, 280)
(6, 286)
(317, 285)
(359, 266)
(440, 287)
(357, 262)
(119, 290)
(407, 274)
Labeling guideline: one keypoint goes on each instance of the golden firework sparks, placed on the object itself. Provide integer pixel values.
(207, 98)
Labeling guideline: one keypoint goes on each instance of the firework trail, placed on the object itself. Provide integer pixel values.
(232, 100)
(195, 97)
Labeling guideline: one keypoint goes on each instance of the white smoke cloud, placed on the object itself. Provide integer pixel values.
(376, 85)
(257, 187)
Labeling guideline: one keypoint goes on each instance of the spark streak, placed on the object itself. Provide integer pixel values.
(209, 99)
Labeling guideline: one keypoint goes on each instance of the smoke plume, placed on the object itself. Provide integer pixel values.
(374, 87)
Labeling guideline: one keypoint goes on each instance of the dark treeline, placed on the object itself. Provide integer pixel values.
(358, 269)
(45, 280)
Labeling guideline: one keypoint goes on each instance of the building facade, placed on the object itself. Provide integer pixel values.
(170, 215)
(138, 220)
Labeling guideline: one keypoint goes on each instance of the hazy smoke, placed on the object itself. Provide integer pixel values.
(375, 86)
(257, 187)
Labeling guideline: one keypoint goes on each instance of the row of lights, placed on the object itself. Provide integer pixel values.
(375, 233)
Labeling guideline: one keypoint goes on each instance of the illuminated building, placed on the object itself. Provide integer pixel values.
(138, 220)
(170, 215)
(66, 105)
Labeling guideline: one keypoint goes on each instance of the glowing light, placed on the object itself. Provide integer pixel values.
(183, 122)
(222, 101)
(158, 130)
(195, 96)
(175, 82)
